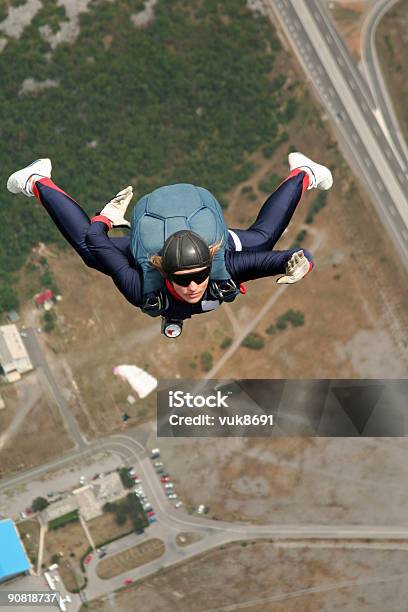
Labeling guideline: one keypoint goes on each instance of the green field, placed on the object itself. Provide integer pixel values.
(186, 99)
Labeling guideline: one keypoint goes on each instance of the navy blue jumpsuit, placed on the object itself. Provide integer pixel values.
(250, 255)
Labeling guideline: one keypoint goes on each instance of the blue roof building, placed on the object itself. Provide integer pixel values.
(13, 559)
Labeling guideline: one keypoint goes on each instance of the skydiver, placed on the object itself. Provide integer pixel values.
(196, 262)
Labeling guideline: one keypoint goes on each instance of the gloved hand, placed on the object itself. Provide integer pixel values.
(296, 268)
(115, 210)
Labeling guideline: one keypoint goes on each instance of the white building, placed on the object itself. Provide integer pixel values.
(14, 359)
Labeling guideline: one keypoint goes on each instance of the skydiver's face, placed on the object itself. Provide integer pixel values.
(194, 291)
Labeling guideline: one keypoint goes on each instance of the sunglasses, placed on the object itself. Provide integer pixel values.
(185, 279)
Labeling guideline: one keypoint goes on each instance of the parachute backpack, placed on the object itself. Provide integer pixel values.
(167, 210)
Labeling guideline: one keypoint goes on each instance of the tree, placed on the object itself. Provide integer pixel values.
(121, 517)
(253, 341)
(40, 503)
(127, 481)
(8, 299)
(206, 361)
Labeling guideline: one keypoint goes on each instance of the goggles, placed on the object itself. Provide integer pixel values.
(185, 279)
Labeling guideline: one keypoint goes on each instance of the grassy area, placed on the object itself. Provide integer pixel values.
(179, 101)
(59, 522)
(104, 528)
(70, 540)
(131, 558)
(30, 536)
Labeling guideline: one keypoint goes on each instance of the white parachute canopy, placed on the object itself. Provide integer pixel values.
(140, 380)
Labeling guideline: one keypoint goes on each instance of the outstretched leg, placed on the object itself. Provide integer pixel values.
(276, 213)
(71, 220)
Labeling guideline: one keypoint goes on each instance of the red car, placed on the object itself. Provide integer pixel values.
(88, 559)
(128, 581)
(165, 479)
(150, 513)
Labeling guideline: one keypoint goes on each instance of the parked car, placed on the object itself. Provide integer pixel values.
(147, 507)
(88, 559)
(128, 581)
(172, 496)
(132, 472)
(165, 478)
(178, 504)
(150, 513)
(155, 453)
(201, 509)
(23, 515)
(169, 485)
(82, 480)
(158, 464)
(152, 519)
(23, 334)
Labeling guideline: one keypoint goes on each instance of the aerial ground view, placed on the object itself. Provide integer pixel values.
(97, 510)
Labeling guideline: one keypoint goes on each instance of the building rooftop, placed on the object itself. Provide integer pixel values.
(40, 298)
(13, 559)
(11, 344)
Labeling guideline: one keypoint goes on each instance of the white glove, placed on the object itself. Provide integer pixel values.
(296, 268)
(115, 210)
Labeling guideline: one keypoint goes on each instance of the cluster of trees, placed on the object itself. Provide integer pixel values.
(128, 508)
(253, 341)
(296, 318)
(187, 99)
(125, 477)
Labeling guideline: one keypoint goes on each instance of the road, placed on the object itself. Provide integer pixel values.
(39, 361)
(346, 99)
(372, 69)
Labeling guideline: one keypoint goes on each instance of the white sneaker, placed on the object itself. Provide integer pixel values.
(320, 177)
(19, 181)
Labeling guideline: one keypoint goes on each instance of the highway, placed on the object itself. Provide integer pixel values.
(344, 95)
(382, 102)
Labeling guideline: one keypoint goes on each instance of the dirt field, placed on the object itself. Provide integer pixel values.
(30, 535)
(131, 558)
(31, 443)
(348, 16)
(105, 528)
(270, 480)
(271, 579)
(392, 41)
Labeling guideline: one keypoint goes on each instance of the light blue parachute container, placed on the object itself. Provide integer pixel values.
(169, 209)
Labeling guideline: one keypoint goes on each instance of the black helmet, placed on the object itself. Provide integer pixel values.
(185, 250)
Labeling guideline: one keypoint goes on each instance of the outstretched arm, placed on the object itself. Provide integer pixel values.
(249, 265)
(126, 278)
